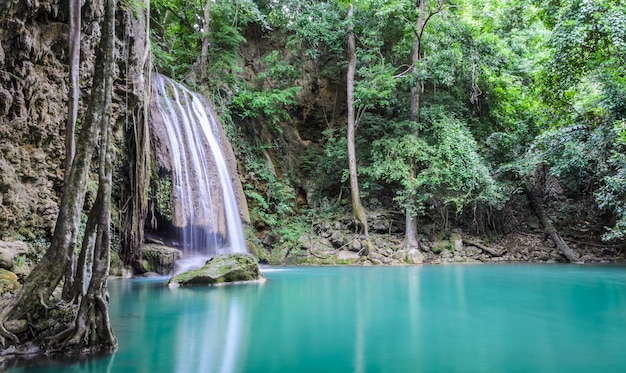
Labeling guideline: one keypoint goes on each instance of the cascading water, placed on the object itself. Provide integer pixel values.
(205, 209)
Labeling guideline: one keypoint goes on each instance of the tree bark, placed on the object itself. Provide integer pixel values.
(74, 56)
(548, 228)
(46, 276)
(72, 115)
(360, 215)
(139, 166)
(204, 52)
(411, 240)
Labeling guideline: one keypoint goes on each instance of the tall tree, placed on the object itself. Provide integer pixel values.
(426, 10)
(357, 208)
(91, 331)
(204, 51)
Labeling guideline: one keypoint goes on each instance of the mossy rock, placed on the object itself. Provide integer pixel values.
(8, 282)
(116, 268)
(221, 269)
(160, 259)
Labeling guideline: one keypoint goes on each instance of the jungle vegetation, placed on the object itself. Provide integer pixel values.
(455, 108)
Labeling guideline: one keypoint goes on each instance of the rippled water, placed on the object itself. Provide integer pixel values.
(465, 318)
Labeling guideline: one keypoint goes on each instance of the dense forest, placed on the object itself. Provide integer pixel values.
(489, 116)
(400, 131)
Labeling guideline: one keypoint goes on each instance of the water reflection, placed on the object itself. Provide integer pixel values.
(425, 319)
(208, 334)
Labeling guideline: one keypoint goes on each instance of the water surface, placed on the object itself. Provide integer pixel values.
(461, 318)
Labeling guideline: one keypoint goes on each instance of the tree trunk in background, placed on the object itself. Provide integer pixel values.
(134, 215)
(204, 52)
(411, 241)
(45, 277)
(72, 115)
(537, 206)
(74, 57)
(357, 208)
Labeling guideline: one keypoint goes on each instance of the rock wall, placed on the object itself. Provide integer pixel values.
(34, 91)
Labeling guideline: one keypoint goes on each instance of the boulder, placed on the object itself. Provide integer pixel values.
(221, 269)
(6, 259)
(414, 256)
(344, 255)
(8, 250)
(160, 259)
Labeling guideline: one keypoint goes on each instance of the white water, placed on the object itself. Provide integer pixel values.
(195, 151)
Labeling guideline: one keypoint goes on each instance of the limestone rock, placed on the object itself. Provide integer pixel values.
(160, 259)
(8, 282)
(414, 256)
(344, 255)
(6, 259)
(221, 269)
(355, 245)
(8, 250)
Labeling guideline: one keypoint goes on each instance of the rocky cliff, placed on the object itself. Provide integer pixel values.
(34, 89)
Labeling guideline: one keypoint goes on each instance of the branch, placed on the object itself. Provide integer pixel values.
(491, 251)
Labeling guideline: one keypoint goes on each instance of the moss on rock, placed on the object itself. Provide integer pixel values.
(221, 269)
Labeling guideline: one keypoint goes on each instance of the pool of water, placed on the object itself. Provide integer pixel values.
(458, 318)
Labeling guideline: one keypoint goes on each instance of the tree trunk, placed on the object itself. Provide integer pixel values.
(360, 215)
(72, 115)
(46, 276)
(204, 52)
(74, 56)
(411, 239)
(92, 331)
(548, 228)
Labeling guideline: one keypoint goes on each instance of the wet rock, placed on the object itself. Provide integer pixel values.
(221, 269)
(160, 259)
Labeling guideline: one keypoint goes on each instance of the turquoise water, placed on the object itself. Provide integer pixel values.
(465, 318)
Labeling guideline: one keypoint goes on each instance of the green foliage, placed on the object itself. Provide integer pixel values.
(161, 192)
(449, 167)
(270, 94)
(588, 46)
(270, 105)
(612, 194)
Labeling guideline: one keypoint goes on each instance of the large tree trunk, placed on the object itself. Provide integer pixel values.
(92, 330)
(46, 276)
(359, 212)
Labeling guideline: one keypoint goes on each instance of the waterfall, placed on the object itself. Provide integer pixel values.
(205, 211)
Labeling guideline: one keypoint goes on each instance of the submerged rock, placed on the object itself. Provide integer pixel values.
(221, 269)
